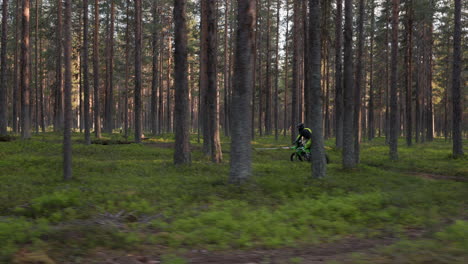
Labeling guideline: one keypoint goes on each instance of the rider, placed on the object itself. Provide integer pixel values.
(305, 133)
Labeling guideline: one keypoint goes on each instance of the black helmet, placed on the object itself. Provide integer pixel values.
(300, 126)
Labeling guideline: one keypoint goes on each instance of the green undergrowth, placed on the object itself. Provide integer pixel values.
(448, 246)
(129, 195)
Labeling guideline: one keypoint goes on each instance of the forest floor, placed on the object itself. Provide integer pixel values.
(129, 204)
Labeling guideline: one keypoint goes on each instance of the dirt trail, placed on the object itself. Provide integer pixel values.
(321, 253)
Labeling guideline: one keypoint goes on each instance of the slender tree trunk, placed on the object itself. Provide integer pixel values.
(277, 72)
(154, 81)
(358, 83)
(109, 90)
(241, 153)
(3, 72)
(168, 87)
(24, 74)
(97, 110)
(339, 113)
(41, 81)
(387, 74)
(17, 88)
(138, 47)
(58, 113)
(394, 82)
(36, 70)
(127, 62)
(182, 108)
(429, 109)
(212, 113)
(371, 123)
(296, 83)
(409, 73)
(67, 44)
(456, 81)
(315, 105)
(268, 73)
(87, 118)
(349, 160)
(286, 71)
(204, 78)
(226, 69)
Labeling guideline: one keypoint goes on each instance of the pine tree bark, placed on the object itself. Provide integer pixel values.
(109, 103)
(127, 64)
(212, 113)
(3, 72)
(138, 47)
(370, 119)
(182, 104)
(456, 83)
(358, 83)
(97, 110)
(315, 104)
(277, 72)
(268, 74)
(409, 73)
(58, 107)
(295, 113)
(25, 71)
(394, 124)
(339, 113)
(36, 73)
(155, 73)
(349, 160)
(67, 45)
(17, 86)
(87, 118)
(241, 153)
(204, 78)
(286, 71)
(226, 69)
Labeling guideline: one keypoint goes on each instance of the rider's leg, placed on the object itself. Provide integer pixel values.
(307, 146)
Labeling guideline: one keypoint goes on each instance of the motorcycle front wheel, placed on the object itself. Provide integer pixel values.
(295, 157)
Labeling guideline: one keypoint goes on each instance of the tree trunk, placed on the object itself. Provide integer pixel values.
(296, 68)
(394, 85)
(87, 119)
(286, 71)
(212, 113)
(58, 113)
(349, 160)
(109, 104)
(268, 74)
(456, 81)
(226, 69)
(241, 153)
(182, 108)
(138, 47)
(204, 78)
(127, 62)
(277, 72)
(339, 114)
(97, 110)
(370, 120)
(409, 73)
(67, 45)
(154, 80)
(17, 87)
(24, 73)
(3, 71)
(315, 104)
(358, 83)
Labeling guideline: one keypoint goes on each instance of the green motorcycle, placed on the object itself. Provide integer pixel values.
(302, 154)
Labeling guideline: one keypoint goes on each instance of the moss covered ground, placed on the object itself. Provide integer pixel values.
(131, 198)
